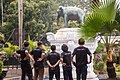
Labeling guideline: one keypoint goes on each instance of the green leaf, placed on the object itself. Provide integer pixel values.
(9, 44)
(1, 36)
(1, 66)
(102, 19)
(8, 51)
(92, 25)
(108, 9)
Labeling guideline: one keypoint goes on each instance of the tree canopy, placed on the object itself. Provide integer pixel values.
(39, 17)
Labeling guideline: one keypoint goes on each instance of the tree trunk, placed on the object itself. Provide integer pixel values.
(111, 70)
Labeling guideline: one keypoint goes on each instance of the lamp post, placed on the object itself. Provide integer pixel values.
(20, 19)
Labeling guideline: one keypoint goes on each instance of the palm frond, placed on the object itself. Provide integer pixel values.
(102, 19)
(93, 24)
(106, 8)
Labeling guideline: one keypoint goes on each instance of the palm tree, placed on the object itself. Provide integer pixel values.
(101, 22)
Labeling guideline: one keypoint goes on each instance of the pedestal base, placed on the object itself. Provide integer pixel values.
(92, 76)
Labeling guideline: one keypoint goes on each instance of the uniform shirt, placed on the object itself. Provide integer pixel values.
(36, 55)
(23, 55)
(81, 55)
(66, 56)
(53, 58)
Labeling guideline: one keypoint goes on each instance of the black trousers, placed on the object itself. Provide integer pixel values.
(81, 71)
(55, 72)
(67, 73)
(26, 71)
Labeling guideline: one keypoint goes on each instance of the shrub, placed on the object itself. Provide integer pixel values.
(1, 66)
(118, 68)
(114, 58)
(104, 57)
(100, 66)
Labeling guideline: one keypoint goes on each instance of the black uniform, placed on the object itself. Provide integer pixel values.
(25, 64)
(38, 65)
(81, 61)
(53, 58)
(67, 69)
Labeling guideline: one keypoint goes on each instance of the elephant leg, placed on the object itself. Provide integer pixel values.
(66, 21)
(78, 21)
(81, 18)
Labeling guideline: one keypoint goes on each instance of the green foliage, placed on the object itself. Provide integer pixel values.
(92, 25)
(117, 18)
(100, 66)
(1, 36)
(101, 20)
(118, 69)
(33, 45)
(100, 47)
(1, 66)
(114, 57)
(10, 17)
(107, 9)
(10, 49)
(46, 48)
(38, 18)
(104, 57)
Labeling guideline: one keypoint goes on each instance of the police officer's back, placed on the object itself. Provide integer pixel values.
(53, 60)
(25, 57)
(38, 55)
(66, 61)
(81, 53)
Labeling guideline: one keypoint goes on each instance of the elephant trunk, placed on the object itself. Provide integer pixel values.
(58, 19)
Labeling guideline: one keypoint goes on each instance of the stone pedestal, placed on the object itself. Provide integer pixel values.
(70, 37)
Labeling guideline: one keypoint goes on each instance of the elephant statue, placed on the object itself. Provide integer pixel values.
(70, 13)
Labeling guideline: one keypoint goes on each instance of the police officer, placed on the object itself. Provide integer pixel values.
(53, 60)
(38, 55)
(66, 61)
(81, 59)
(25, 57)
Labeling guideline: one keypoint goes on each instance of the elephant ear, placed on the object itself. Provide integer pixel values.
(61, 8)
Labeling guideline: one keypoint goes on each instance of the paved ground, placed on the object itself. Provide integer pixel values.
(18, 78)
(101, 77)
(14, 74)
